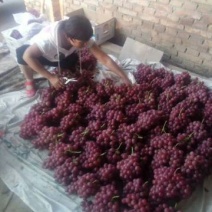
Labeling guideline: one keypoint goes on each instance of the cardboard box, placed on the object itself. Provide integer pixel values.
(135, 50)
(11, 42)
(103, 26)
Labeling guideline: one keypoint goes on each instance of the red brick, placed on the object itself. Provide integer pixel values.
(146, 36)
(147, 25)
(156, 39)
(201, 48)
(204, 9)
(163, 1)
(200, 25)
(138, 8)
(173, 18)
(205, 56)
(207, 63)
(128, 5)
(159, 28)
(107, 1)
(190, 58)
(194, 41)
(145, 30)
(176, 3)
(169, 39)
(193, 52)
(208, 43)
(176, 60)
(161, 14)
(127, 11)
(127, 18)
(109, 6)
(118, 3)
(171, 31)
(148, 17)
(207, 18)
(189, 5)
(109, 13)
(91, 2)
(91, 7)
(180, 47)
(188, 13)
(182, 34)
(207, 2)
(186, 21)
(143, 2)
(136, 33)
(149, 10)
(171, 51)
(172, 24)
(137, 21)
(206, 34)
(167, 9)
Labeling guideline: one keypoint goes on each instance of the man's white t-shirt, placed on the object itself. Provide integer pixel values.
(48, 41)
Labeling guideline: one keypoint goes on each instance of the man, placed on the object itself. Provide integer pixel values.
(61, 38)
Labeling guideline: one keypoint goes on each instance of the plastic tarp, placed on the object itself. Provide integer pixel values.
(21, 164)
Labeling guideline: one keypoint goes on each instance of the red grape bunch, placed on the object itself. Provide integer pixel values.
(85, 186)
(130, 167)
(107, 199)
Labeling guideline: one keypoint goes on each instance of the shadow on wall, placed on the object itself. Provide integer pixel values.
(7, 8)
(12, 6)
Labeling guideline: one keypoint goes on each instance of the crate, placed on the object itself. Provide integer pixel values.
(103, 26)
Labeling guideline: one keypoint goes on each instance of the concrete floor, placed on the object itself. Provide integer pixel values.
(9, 202)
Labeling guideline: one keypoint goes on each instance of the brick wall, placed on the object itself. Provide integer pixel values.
(51, 8)
(180, 28)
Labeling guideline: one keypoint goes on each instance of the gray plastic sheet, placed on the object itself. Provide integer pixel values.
(21, 164)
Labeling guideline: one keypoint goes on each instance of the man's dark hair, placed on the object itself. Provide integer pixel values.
(78, 27)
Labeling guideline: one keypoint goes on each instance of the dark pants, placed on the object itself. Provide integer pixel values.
(66, 63)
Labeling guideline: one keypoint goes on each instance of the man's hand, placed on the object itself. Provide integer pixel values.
(56, 82)
(127, 81)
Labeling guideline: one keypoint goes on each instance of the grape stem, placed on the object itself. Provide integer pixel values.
(202, 120)
(114, 197)
(185, 139)
(119, 146)
(60, 135)
(102, 126)
(163, 129)
(176, 170)
(140, 137)
(145, 183)
(85, 132)
(74, 152)
(87, 89)
(103, 153)
(180, 112)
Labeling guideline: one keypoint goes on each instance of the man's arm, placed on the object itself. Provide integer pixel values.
(31, 56)
(108, 62)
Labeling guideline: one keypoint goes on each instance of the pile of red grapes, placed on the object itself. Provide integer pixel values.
(139, 148)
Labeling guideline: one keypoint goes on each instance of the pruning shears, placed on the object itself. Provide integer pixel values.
(67, 80)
